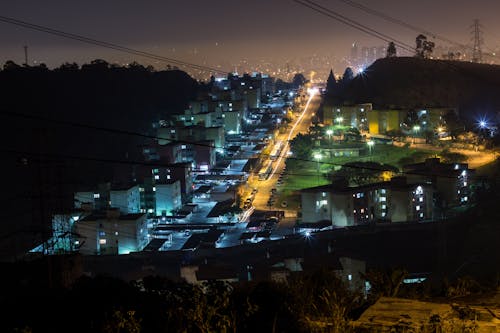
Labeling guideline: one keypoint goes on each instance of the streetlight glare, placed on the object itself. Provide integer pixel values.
(317, 156)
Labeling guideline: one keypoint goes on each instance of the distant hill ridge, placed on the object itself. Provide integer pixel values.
(408, 82)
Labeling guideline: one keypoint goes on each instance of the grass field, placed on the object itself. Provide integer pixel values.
(304, 174)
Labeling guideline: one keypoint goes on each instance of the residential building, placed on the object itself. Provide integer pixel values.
(390, 201)
(111, 233)
(451, 180)
(167, 197)
(348, 115)
(127, 200)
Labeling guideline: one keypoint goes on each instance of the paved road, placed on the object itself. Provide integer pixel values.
(475, 159)
(300, 125)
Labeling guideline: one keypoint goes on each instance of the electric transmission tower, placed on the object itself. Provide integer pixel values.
(477, 55)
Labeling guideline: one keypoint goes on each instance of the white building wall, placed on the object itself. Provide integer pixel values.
(168, 197)
(127, 201)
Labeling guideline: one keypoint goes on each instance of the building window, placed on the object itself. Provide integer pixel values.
(154, 189)
(102, 233)
(97, 195)
(417, 208)
(102, 241)
(157, 177)
(383, 199)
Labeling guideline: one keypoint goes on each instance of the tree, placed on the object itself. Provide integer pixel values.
(423, 47)
(301, 145)
(391, 50)
(10, 65)
(298, 80)
(348, 76)
(331, 83)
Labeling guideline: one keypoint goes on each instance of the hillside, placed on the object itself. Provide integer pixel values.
(408, 82)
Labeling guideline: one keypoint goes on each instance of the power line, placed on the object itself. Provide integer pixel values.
(352, 23)
(398, 21)
(402, 23)
(116, 47)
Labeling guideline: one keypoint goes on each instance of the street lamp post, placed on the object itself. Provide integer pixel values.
(416, 128)
(370, 144)
(329, 132)
(317, 157)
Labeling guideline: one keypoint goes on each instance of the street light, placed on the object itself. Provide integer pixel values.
(370, 145)
(416, 128)
(317, 156)
(329, 132)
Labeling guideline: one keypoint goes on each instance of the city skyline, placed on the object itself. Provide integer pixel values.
(226, 34)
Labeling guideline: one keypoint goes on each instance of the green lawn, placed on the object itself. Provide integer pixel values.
(304, 174)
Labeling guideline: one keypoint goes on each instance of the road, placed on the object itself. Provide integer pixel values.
(474, 160)
(301, 124)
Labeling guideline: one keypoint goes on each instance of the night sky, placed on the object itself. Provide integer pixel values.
(226, 31)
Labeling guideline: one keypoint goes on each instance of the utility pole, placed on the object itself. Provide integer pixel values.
(25, 55)
(477, 55)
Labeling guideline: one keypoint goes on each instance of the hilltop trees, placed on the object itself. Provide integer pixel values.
(423, 47)
(391, 50)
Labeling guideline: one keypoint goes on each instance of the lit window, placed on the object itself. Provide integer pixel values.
(183, 146)
(323, 194)
(417, 208)
(382, 191)
(154, 189)
(349, 277)
(97, 195)
(116, 233)
(421, 199)
(383, 199)
(384, 206)
(168, 176)
(102, 233)
(421, 214)
(141, 189)
(383, 214)
(157, 177)
(102, 241)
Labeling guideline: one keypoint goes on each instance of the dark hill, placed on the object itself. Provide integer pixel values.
(409, 82)
(44, 162)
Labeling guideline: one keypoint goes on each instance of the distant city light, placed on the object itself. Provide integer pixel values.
(312, 91)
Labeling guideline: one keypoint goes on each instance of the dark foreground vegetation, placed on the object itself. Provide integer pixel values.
(312, 302)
